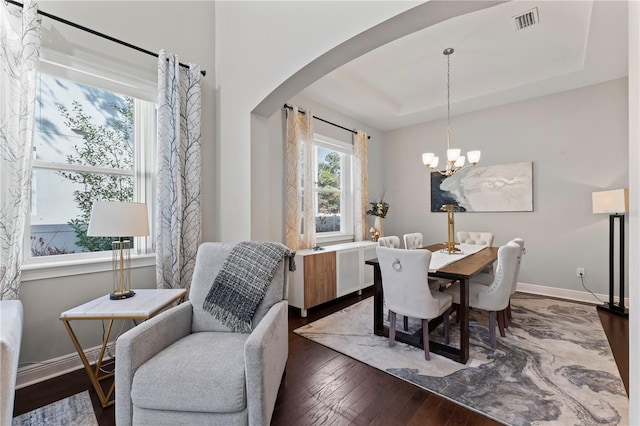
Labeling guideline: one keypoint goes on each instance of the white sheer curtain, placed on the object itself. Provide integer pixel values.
(299, 200)
(178, 209)
(19, 53)
(360, 184)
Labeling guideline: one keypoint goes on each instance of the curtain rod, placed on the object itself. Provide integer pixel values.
(94, 32)
(287, 106)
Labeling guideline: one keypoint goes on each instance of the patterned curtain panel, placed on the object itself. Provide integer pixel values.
(19, 53)
(360, 184)
(300, 210)
(178, 210)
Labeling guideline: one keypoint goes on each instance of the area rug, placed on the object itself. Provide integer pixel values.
(76, 410)
(554, 367)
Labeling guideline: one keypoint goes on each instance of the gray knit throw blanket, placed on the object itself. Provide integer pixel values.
(243, 281)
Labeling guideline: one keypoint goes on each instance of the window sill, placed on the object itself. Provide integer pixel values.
(334, 239)
(45, 270)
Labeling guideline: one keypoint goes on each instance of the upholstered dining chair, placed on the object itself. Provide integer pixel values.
(520, 242)
(413, 241)
(493, 298)
(479, 239)
(391, 241)
(407, 292)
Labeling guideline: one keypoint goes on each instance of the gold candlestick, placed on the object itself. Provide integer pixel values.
(451, 243)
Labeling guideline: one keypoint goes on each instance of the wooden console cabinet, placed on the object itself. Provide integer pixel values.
(327, 274)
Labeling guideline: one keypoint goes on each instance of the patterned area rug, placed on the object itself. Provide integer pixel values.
(554, 367)
(76, 410)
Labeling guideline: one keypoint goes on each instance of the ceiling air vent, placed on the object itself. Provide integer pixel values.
(526, 20)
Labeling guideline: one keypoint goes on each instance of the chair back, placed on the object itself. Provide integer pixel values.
(209, 260)
(475, 238)
(496, 296)
(405, 284)
(412, 241)
(520, 243)
(390, 241)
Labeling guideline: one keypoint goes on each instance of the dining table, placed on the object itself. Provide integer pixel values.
(460, 268)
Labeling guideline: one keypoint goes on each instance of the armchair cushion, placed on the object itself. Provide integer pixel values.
(211, 257)
(242, 282)
(190, 379)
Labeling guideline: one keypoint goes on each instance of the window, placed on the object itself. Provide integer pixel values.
(333, 189)
(90, 142)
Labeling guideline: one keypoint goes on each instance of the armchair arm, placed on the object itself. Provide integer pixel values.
(141, 343)
(265, 354)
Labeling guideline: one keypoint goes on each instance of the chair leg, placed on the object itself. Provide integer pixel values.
(425, 338)
(492, 329)
(502, 322)
(446, 327)
(406, 323)
(392, 328)
(509, 310)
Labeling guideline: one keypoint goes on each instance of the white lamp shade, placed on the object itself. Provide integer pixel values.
(427, 158)
(610, 202)
(460, 161)
(453, 154)
(118, 219)
(434, 162)
(474, 156)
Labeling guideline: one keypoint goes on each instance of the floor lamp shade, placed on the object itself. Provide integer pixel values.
(614, 203)
(121, 220)
(610, 202)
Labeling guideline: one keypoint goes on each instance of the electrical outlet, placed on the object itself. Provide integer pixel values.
(580, 272)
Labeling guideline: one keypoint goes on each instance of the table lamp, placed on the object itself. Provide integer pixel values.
(124, 221)
(614, 203)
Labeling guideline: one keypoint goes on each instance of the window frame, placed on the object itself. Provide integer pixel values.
(345, 150)
(144, 93)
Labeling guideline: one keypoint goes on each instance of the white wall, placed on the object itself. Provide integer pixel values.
(578, 142)
(259, 45)
(634, 209)
(185, 28)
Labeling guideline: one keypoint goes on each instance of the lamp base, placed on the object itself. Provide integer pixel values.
(119, 295)
(614, 309)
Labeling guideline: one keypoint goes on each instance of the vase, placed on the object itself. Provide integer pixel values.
(378, 225)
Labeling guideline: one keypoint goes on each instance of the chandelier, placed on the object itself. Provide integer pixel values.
(455, 161)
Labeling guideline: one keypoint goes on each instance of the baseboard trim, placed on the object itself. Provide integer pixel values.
(55, 367)
(41, 371)
(575, 295)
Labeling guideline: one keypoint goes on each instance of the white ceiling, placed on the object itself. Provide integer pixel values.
(574, 44)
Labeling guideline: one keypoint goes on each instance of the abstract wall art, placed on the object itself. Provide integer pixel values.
(501, 188)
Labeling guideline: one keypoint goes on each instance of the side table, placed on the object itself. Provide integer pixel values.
(145, 304)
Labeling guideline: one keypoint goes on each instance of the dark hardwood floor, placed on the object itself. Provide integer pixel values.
(324, 387)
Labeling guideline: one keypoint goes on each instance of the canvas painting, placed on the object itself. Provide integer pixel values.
(502, 188)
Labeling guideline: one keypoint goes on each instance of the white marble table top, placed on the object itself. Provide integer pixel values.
(145, 304)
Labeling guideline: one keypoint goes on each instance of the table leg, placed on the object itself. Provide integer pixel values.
(94, 375)
(378, 303)
(464, 321)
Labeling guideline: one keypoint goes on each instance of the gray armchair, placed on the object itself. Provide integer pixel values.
(184, 367)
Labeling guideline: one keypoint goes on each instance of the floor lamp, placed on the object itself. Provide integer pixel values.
(615, 203)
(124, 221)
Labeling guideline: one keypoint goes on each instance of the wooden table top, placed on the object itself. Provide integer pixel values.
(467, 266)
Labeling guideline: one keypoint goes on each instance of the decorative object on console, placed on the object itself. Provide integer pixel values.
(615, 203)
(122, 220)
(374, 234)
(451, 232)
(379, 210)
(455, 161)
(501, 188)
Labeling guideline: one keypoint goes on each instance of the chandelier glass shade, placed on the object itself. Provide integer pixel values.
(455, 160)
